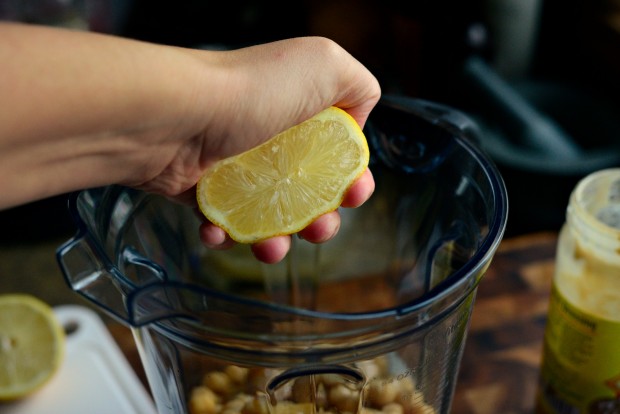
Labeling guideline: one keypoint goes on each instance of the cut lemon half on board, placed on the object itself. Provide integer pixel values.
(282, 185)
(31, 345)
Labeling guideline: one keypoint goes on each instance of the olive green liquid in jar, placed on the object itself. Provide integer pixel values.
(580, 371)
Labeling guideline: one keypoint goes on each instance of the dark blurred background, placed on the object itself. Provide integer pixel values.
(539, 76)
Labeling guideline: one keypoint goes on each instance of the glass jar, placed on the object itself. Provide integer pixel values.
(580, 371)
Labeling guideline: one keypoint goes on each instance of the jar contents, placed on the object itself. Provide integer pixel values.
(229, 391)
(580, 370)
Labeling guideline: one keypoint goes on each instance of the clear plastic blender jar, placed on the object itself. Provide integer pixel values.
(374, 320)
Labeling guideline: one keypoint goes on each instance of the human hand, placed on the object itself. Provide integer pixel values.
(118, 111)
(272, 87)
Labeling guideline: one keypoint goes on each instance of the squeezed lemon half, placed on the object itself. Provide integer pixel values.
(282, 185)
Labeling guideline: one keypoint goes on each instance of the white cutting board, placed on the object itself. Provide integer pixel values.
(95, 377)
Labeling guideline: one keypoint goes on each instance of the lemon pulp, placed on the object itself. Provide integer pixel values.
(282, 185)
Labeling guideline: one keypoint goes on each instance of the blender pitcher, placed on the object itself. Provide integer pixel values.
(375, 320)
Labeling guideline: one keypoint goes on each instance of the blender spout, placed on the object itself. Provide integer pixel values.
(88, 275)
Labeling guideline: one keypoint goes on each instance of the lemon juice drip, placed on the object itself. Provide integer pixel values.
(294, 282)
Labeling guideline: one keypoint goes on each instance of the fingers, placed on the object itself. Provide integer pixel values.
(272, 250)
(360, 190)
(214, 237)
(275, 249)
(324, 228)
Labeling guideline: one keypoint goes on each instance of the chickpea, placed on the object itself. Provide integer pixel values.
(239, 401)
(379, 393)
(343, 398)
(235, 405)
(370, 369)
(407, 385)
(383, 364)
(203, 401)
(256, 406)
(393, 408)
(218, 382)
(238, 375)
(222, 392)
(329, 380)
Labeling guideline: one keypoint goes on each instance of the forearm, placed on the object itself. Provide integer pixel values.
(73, 104)
(81, 109)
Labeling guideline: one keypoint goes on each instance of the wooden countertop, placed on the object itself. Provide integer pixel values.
(499, 370)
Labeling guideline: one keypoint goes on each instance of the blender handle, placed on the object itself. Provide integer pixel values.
(353, 377)
(439, 114)
(88, 275)
(414, 136)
